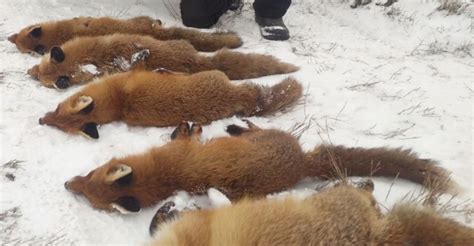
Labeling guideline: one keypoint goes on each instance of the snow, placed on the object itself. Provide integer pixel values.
(121, 63)
(89, 68)
(373, 76)
(217, 198)
(139, 56)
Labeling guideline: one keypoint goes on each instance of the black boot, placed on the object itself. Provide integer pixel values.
(273, 29)
(236, 5)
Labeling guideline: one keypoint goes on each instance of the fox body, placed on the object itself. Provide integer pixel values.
(67, 65)
(40, 38)
(342, 215)
(163, 98)
(253, 162)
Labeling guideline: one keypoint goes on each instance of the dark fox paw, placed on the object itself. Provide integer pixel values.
(181, 131)
(165, 213)
(196, 129)
(139, 56)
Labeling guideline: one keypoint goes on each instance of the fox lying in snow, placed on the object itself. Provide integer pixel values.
(163, 98)
(252, 162)
(341, 215)
(82, 59)
(40, 38)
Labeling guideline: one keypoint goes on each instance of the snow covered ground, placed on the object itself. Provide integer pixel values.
(374, 76)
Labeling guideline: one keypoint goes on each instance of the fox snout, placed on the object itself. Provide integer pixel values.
(47, 119)
(34, 72)
(73, 185)
(12, 38)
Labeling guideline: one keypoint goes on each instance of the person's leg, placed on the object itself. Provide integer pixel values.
(272, 9)
(202, 13)
(268, 14)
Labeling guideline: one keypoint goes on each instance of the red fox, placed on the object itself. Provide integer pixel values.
(342, 215)
(163, 98)
(252, 162)
(85, 58)
(40, 38)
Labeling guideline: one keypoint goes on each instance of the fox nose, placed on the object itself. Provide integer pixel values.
(66, 185)
(40, 121)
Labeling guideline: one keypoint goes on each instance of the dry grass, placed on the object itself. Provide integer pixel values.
(299, 128)
(13, 164)
(454, 6)
(9, 168)
(434, 196)
(8, 224)
(438, 48)
(175, 13)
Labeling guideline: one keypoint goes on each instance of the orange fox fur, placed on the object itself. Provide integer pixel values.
(254, 162)
(342, 215)
(113, 53)
(145, 98)
(40, 38)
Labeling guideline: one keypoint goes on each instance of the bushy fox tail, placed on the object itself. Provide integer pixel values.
(277, 97)
(207, 42)
(329, 161)
(245, 66)
(421, 226)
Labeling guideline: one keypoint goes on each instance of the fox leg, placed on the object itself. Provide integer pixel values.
(251, 125)
(182, 131)
(165, 213)
(185, 131)
(196, 131)
(235, 130)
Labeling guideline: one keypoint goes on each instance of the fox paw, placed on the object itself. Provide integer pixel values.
(165, 213)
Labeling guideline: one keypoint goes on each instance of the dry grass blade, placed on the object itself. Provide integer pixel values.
(299, 128)
(173, 12)
(391, 186)
(13, 164)
(10, 213)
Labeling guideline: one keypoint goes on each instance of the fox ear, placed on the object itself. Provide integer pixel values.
(84, 104)
(12, 38)
(57, 54)
(120, 174)
(127, 205)
(36, 31)
(90, 130)
(365, 184)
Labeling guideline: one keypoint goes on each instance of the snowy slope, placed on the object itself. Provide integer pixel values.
(374, 76)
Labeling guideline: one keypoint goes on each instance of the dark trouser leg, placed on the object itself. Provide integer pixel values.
(268, 14)
(202, 13)
(271, 8)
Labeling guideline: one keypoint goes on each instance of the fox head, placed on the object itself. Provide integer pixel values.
(29, 40)
(127, 184)
(60, 71)
(108, 187)
(363, 187)
(74, 116)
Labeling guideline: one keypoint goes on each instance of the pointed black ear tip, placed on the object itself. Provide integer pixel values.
(234, 130)
(62, 82)
(57, 54)
(129, 203)
(90, 129)
(36, 32)
(40, 49)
